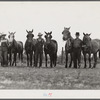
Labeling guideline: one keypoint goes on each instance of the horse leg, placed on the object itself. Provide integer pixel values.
(45, 59)
(51, 61)
(21, 57)
(15, 58)
(95, 60)
(89, 60)
(55, 59)
(31, 59)
(71, 60)
(34, 56)
(10, 58)
(27, 59)
(85, 60)
(66, 60)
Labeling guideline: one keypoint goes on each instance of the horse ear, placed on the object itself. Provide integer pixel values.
(14, 32)
(32, 30)
(64, 28)
(83, 33)
(26, 31)
(69, 28)
(9, 32)
(51, 32)
(45, 32)
(89, 34)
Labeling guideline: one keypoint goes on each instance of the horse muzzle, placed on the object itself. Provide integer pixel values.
(64, 38)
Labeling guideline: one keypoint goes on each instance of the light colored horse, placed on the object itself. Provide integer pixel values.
(14, 48)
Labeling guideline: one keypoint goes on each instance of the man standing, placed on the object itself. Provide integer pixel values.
(77, 46)
(39, 50)
(4, 50)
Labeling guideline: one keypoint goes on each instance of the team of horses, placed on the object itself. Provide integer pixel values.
(32, 48)
(90, 46)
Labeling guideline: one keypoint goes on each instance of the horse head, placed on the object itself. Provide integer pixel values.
(11, 37)
(66, 33)
(48, 36)
(30, 35)
(87, 39)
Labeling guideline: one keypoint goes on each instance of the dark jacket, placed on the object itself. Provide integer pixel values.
(39, 45)
(77, 43)
(4, 45)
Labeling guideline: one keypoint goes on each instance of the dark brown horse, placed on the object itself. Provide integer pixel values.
(30, 47)
(90, 46)
(51, 48)
(68, 46)
(14, 48)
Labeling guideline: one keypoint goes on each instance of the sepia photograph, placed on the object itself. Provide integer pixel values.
(50, 45)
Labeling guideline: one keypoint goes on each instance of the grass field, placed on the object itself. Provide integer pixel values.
(22, 77)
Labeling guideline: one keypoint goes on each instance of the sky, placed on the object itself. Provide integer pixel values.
(50, 16)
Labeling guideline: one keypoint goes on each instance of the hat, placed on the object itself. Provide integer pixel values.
(1, 34)
(77, 33)
(39, 34)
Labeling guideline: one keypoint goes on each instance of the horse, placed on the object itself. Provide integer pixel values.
(30, 47)
(90, 46)
(14, 48)
(50, 48)
(68, 46)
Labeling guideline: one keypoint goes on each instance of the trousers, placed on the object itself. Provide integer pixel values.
(77, 57)
(4, 58)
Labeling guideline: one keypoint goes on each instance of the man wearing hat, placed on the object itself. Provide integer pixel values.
(77, 46)
(39, 50)
(4, 50)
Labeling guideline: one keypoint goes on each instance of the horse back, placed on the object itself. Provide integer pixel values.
(98, 41)
(20, 46)
(51, 47)
(55, 45)
(95, 45)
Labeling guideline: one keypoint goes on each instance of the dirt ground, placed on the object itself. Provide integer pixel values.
(22, 77)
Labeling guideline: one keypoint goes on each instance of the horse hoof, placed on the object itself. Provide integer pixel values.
(94, 66)
(65, 66)
(84, 66)
(75, 67)
(69, 66)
